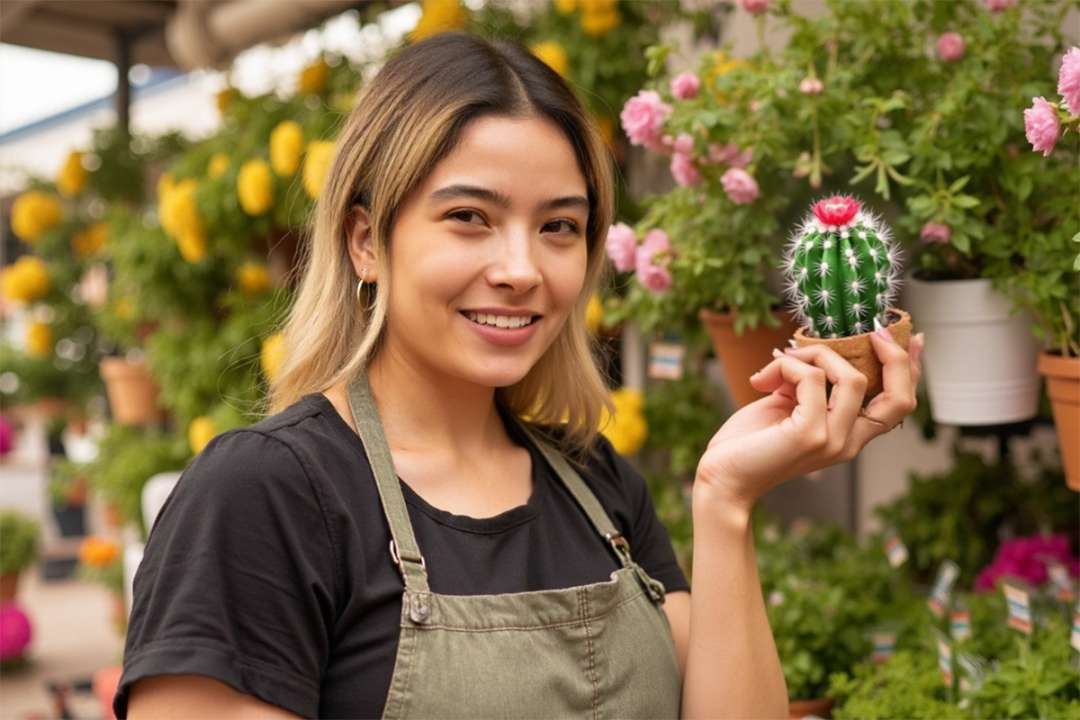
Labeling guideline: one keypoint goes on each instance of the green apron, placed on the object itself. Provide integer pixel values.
(598, 650)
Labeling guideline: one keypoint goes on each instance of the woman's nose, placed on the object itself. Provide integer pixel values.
(515, 264)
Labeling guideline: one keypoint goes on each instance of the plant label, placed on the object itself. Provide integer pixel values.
(1019, 603)
(666, 360)
(943, 585)
(895, 550)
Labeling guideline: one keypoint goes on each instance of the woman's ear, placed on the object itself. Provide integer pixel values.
(361, 243)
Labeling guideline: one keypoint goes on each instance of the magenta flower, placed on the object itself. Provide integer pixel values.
(1069, 80)
(811, 86)
(950, 46)
(997, 6)
(1027, 558)
(685, 86)
(621, 246)
(1041, 126)
(836, 210)
(740, 186)
(935, 233)
(755, 7)
(643, 118)
(684, 170)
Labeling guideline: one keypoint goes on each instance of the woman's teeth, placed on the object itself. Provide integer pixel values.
(502, 321)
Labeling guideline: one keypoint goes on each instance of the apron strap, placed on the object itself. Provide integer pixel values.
(404, 550)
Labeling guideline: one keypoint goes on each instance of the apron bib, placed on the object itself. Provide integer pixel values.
(598, 650)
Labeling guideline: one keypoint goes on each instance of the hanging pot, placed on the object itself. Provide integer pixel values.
(820, 707)
(743, 355)
(979, 360)
(1063, 386)
(131, 390)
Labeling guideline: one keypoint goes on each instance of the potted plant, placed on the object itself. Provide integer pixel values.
(841, 271)
(19, 537)
(68, 486)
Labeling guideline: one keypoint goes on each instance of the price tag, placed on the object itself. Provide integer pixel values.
(884, 644)
(943, 585)
(1062, 583)
(1019, 602)
(666, 360)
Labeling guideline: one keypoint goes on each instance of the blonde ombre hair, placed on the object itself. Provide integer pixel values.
(405, 121)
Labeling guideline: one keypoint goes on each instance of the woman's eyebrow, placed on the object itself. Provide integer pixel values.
(498, 198)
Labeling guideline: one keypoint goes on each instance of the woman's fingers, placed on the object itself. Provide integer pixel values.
(849, 388)
(809, 383)
(917, 344)
(897, 399)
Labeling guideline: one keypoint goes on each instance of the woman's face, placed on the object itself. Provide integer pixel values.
(495, 237)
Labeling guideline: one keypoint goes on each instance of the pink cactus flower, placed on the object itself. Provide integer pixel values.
(755, 7)
(685, 86)
(997, 6)
(621, 246)
(836, 210)
(643, 118)
(1042, 126)
(935, 233)
(1069, 80)
(683, 170)
(811, 86)
(950, 46)
(740, 186)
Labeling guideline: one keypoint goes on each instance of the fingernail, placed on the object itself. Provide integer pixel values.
(792, 343)
(884, 333)
(776, 353)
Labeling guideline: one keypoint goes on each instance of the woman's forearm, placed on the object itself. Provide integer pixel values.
(732, 667)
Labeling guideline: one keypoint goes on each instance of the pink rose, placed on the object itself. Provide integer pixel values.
(999, 5)
(621, 246)
(651, 274)
(643, 117)
(683, 170)
(740, 186)
(1041, 126)
(950, 46)
(811, 86)
(654, 278)
(684, 144)
(730, 154)
(755, 7)
(936, 233)
(1069, 80)
(685, 86)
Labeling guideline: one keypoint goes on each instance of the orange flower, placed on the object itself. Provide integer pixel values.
(98, 552)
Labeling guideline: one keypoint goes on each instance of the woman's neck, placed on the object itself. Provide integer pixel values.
(423, 411)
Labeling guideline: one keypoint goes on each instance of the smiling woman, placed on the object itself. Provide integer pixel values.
(428, 523)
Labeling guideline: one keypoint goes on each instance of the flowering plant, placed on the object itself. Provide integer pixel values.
(1027, 558)
(751, 142)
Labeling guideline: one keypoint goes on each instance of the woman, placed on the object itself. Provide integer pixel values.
(396, 540)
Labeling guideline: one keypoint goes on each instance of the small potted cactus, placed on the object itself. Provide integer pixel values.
(842, 274)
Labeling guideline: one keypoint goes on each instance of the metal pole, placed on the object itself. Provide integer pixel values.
(123, 83)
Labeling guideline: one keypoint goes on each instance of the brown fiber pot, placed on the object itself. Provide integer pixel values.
(743, 355)
(132, 391)
(822, 708)
(858, 350)
(1063, 386)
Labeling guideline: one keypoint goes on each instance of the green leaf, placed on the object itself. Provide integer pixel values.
(965, 201)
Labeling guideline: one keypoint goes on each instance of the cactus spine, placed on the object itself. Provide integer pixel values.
(843, 269)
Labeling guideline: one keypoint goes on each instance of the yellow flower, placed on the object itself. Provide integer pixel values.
(178, 209)
(33, 213)
(320, 153)
(594, 314)
(165, 185)
(98, 552)
(223, 99)
(312, 80)
(201, 431)
(722, 65)
(600, 23)
(253, 278)
(26, 280)
(565, 7)
(438, 16)
(553, 55)
(286, 147)
(90, 241)
(39, 339)
(598, 6)
(218, 165)
(123, 308)
(255, 187)
(192, 245)
(72, 176)
(627, 430)
(271, 355)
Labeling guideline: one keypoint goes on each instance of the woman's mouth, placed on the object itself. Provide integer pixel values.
(502, 330)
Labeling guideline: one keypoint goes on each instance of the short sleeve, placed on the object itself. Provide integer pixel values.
(650, 542)
(238, 578)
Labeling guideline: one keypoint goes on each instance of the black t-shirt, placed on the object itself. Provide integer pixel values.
(268, 567)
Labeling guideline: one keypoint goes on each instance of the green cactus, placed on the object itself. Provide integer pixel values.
(843, 270)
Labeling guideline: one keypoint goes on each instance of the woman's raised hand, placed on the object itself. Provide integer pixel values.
(797, 429)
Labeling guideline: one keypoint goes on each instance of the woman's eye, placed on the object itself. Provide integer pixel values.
(568, 226)
(464, 216)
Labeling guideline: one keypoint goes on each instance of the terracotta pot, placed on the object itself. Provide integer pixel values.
(743, 355)
(9, 584)
(132, 391)
(822, 708)
(858, 350)
(1063, 387)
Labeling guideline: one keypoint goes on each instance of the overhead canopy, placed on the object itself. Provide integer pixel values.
(186, 34)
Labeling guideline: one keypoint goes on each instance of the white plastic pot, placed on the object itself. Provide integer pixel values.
(979, 364)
